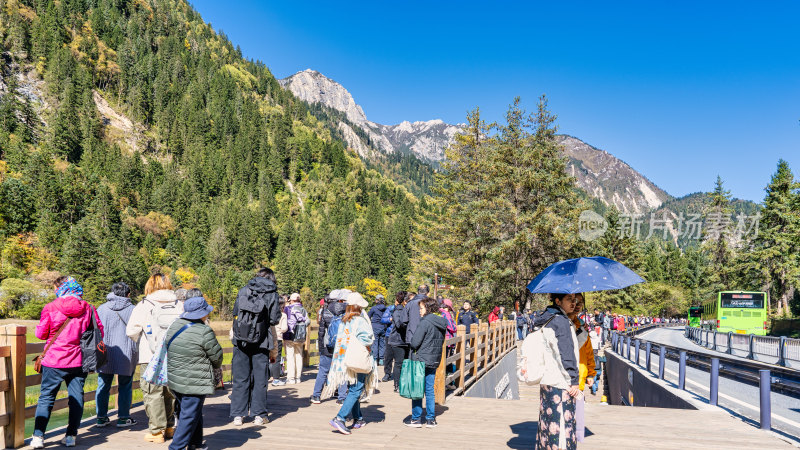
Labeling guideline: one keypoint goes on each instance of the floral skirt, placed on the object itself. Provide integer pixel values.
(556, 419)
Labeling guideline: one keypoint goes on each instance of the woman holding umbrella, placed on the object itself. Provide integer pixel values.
(565, 281)
(559, 385)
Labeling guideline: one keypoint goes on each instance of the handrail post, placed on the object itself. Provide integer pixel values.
(439, 382)
(307, 346)
(14, 337)
(647, 348)
(628, 351)
(782, 352)
(682, 371)
(462, 332)
(714, 345)
(662, 358)
(765, 387)
(713, 393)
(637, 351)
(750, 348)
(730, 342)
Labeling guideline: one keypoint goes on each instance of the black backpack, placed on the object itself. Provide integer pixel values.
(249, 326)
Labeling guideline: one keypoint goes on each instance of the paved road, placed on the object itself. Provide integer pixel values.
(738, 397)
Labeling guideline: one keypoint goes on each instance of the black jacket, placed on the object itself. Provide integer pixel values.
(271, 314)
(331, 310)
(397, 338)
(468, 318)
(375, 314)
(562, 327)
(410, 317)
(428, 340)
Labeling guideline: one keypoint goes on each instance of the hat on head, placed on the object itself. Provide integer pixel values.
(196, 308)
(334, 295)
(448, 302)
(355, 299)
(295, 296)
(380, 298)
(343, 294)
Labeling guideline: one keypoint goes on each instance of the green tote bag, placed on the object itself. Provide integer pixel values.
(412, 379)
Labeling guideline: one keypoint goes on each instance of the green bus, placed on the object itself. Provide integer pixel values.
(737, 311)
(695, 313)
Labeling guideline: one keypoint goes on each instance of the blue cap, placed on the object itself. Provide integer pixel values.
(196, 308)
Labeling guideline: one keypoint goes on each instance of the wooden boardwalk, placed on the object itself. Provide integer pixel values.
(464, 423)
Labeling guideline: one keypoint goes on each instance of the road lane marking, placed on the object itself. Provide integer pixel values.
(737, 401)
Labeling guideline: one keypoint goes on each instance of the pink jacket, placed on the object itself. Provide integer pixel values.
(66, 351)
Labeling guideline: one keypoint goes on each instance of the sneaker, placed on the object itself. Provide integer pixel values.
(339, 401)
(360, 423)
(157, 438)
(68, 441)
(339, 426)
(278, 383)
(290, 381)
(386, 378)
(37, 442)
(315, 400)
(198, 447)
(169, 432)
(413, 423)
(101, 422)
(125, 422)
(259, 420)
(237, 421)
(431, 423)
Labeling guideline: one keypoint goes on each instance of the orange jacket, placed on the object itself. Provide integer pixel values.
(586, 368)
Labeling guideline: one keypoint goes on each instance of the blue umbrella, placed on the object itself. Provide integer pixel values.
(583, 275)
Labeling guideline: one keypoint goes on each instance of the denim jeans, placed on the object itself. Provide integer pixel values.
(74, 378)
(322, 377)
(430, 398)
(351, 407)
(124, 396)
(190, 422)
(379, 345)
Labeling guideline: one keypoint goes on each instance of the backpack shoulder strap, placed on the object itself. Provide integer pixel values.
(183, 328)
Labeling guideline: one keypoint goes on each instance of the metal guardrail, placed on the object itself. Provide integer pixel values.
(785, 350)
(767, 377)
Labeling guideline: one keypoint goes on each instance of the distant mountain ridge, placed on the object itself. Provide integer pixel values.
(599, 173)
(425, 139)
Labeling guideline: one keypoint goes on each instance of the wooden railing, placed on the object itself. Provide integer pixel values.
(14, 352)
(473, 355)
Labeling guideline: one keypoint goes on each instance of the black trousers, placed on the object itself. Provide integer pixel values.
(400, 354)
(275, 368)
(388, 359)
(249, 381)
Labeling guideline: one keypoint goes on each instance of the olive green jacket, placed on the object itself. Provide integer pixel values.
(190, 358)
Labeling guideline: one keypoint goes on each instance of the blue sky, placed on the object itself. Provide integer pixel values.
(681, 91)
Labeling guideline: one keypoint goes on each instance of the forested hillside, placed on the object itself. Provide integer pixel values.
(134, 137)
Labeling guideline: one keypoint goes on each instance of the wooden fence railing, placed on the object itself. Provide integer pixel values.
(14, 353)
(472, 355)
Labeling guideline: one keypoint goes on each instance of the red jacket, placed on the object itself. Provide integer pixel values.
(493, 316)
(66, 351)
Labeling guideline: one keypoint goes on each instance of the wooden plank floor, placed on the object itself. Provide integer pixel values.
(464, 423)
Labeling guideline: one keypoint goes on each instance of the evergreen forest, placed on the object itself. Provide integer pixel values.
(135, 138)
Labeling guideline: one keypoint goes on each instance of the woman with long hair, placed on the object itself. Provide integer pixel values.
(354, 327)
(559, 384)
(148, 325)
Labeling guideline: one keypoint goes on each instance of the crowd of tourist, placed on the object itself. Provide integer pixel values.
(167, 335)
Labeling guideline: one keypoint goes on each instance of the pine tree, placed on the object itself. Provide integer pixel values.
(776, 247)
(717, 232)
